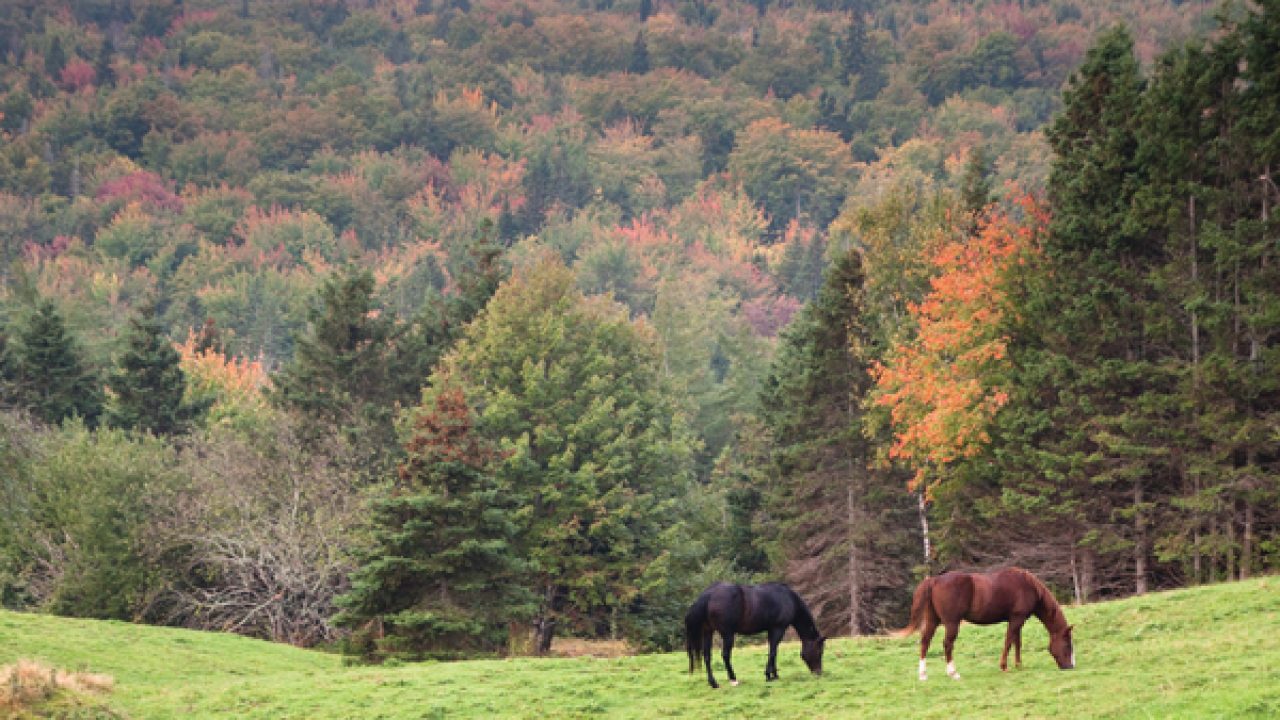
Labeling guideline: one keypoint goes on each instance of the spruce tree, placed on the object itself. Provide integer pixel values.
(440, 579)
(50, 375)
(1093, 404)
(148, 387)
(843, 527)
(339, 378)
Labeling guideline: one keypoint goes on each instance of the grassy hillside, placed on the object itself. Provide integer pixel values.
(1202, 652)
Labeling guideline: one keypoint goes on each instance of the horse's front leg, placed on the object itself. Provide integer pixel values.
(726, 651)
(1012, 634)
(706, 656)
(949, 644)
(771, 666)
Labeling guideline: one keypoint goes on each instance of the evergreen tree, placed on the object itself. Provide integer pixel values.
(50, 376)
(1092, 407)
(441, 577)
(842, 525)
(975, 182)
(340, 376)
(56, 59)
(597, 453)
(103, 70)
(639, 61)
(148, 387)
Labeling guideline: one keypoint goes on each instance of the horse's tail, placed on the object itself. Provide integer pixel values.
(919, 605)
(694, 621)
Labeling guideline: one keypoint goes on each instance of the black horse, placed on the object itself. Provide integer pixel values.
(749, 609)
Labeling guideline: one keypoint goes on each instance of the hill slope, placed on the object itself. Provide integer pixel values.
(1208, 651)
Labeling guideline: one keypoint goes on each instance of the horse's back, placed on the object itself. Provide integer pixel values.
(985, 598)
(749, 609)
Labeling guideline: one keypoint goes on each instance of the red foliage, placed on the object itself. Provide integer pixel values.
(768, 314)
(77, 75)
(146, 188)
(444, 432)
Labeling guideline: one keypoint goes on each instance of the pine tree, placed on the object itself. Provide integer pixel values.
(56, 59)
(441, 577)
(148, 387)
(50, 376)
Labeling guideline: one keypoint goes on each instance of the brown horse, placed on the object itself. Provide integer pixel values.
(1011, 595)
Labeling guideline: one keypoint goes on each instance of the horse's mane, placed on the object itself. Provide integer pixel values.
(804, 622)
(1051, 610)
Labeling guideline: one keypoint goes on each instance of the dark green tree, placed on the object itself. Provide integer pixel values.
(56, 59)
(441, 578)
(598, 454)
(638, 63)
(340, 376)
(975, 182)
(843, 527)
(50, 376)
(1084, 441)
(148, 387)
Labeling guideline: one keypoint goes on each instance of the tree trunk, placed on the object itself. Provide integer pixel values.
(855, 570)
(1246, 543)
(924, 528)
(544, 625)
(1076, 586)
(1139, 542)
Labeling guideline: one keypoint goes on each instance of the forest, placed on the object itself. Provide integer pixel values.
(446, 328)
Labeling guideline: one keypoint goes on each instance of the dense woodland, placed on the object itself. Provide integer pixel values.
(440, 328)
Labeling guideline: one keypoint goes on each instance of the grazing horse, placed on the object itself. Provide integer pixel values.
(1012, 595)
(749, 609)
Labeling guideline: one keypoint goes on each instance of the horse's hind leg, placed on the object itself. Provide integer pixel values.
(706, 656)
(725, 652)
(949, 644)
(926, 637)
(1017, 644)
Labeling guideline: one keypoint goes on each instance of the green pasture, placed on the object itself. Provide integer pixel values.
(1197, 653)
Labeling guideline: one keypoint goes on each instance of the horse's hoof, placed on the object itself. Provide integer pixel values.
(733, 683)
(955, 676)
(923, 677)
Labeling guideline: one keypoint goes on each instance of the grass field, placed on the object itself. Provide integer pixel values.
(1203, 652)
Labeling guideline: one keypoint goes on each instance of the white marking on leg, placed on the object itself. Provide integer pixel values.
(951, 670)
(924, 675)
(733, 683)
(1073, 658)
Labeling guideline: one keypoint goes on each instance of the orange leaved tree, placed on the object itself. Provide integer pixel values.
(941, 386)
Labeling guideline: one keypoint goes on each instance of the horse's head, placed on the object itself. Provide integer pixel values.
(1061, 649)
(811, 653)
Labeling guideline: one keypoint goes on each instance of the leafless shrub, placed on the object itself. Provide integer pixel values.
(260, 536)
